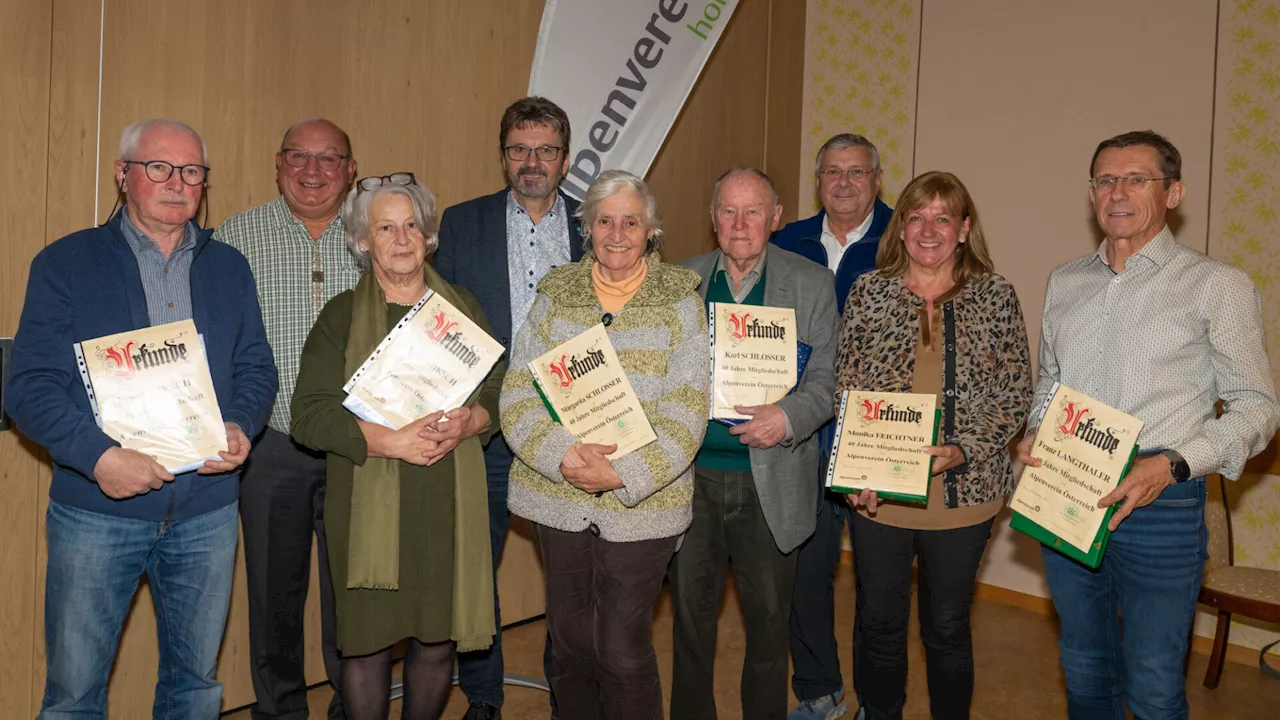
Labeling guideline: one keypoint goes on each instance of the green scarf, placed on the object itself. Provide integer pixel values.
(374, 546)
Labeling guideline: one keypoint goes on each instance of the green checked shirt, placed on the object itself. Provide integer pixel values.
(296, 276)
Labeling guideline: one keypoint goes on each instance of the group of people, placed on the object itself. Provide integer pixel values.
(292, 296)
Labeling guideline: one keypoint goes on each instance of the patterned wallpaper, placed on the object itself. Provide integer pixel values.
(1244, 229)
(860, 76)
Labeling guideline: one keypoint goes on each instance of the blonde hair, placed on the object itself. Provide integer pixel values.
(973, 260)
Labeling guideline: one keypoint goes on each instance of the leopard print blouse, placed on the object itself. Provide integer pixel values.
(986, 370)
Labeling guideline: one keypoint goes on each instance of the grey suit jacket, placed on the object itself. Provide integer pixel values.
(787, 476)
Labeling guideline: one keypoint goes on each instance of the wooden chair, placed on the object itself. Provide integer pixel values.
(1252, 592)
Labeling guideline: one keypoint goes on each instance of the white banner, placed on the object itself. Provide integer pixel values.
(622, 70)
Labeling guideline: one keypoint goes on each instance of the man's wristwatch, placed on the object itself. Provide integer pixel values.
(1178, 466)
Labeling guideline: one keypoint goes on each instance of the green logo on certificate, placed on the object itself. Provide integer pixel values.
(897, 467)
(1072, 511)
(622, 423)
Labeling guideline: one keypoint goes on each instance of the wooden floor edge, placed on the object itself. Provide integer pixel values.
(1044, 606)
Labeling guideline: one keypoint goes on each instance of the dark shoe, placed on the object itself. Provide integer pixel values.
(483, 711)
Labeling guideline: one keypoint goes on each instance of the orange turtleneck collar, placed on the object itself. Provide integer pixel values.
(614, 296)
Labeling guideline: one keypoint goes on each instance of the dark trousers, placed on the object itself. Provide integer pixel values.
(948, 567)
(729, 529)
(600, 598)
(480, 673)
(814, 652)
(281, 505)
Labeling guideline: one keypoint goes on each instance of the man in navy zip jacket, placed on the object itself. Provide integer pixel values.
(115, 513)
(844, 238)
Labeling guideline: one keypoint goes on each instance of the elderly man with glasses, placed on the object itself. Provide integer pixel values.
(116, 513)
(499, 246)
(297, 247)
(843, 237)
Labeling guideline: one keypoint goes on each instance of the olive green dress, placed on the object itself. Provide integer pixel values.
(372, 620)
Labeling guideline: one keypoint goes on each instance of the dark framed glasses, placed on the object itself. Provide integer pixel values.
(544, 153)
(374, 182)
(159, 171)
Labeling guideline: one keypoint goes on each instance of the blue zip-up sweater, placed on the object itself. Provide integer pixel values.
(87, 285)
(804, 237)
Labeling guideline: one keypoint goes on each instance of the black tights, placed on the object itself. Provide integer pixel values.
(428, 672)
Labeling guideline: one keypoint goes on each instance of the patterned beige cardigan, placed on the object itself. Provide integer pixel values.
(661, 340)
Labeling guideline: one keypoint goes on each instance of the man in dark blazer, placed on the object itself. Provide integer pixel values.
(499, 246)
(755, 485)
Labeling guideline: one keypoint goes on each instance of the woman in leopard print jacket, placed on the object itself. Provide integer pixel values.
(933, 318)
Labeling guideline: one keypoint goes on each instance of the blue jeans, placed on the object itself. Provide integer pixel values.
(1151, 575)
(95, 562)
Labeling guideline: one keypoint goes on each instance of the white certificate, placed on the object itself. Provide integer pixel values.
(433, 359)
(753, 356)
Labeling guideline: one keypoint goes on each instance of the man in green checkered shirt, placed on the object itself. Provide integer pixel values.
(297, 247)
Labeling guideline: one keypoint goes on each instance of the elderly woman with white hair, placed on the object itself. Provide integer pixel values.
(605, 529)
(405, 511)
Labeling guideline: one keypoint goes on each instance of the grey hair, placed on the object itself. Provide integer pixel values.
(848, 140)
(612, 182)
(359, 203)
(131, 138)
(741, 170)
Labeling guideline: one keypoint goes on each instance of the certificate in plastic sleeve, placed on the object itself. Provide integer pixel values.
(587, 392)
(1085, 448)
(433, 359)
(753, 356)
(879, 445)
(151, 391)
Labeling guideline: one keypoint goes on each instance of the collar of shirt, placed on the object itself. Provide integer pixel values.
(852, 236)
(285, 213)
(1159, 249)
(557, 208)
(748, 281)
(140, 241)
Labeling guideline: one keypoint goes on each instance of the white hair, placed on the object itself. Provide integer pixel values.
(356, 208)
(131, 138)
(612, 182)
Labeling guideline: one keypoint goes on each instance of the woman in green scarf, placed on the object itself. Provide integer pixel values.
(406, 512)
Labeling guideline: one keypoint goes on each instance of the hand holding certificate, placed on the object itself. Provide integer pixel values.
(753, 356)
(1084, 447)
(588, 393)
(879, 445)
(151, 391)
(433, 359)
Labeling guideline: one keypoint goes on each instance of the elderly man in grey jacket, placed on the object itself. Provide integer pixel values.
(754, 483)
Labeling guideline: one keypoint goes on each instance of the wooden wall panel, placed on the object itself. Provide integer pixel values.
(722, 125)
(25, 27)
(419, 85)
(785, 102)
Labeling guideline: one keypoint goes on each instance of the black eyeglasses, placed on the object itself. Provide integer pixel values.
(544, 153)
(400, 178)
(159, 171)
(294, 157)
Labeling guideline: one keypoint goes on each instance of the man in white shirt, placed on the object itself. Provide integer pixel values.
(844, 237)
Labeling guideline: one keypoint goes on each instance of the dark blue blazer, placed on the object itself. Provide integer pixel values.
(804, 237)
(473, 254)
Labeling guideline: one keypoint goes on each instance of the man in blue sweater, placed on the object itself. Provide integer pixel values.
(844, 237)
(116, 513)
